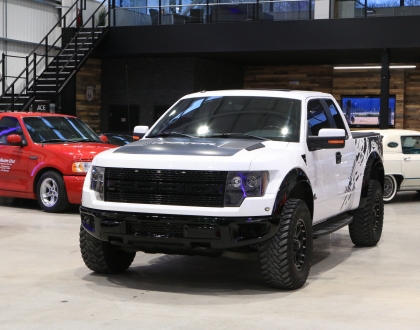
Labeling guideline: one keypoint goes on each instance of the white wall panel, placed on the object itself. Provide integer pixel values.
(29, 20)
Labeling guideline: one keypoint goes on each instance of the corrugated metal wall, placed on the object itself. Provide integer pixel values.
(27, 22)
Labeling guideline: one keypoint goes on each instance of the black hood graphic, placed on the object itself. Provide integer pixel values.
(189, 147)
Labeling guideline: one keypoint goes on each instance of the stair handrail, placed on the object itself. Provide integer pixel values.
(46, 39)
(85, 25)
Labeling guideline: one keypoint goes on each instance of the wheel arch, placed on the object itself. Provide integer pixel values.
(295, 184)
(374, 170)
(40, 173)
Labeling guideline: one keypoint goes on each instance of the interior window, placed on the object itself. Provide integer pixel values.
(317, 118)
(410, 144)
(8, 126)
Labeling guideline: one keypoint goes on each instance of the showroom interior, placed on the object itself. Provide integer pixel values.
(144, 56)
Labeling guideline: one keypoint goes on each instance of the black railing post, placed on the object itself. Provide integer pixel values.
(34, 74)
(46, 51)
(160, 13)
(13, 97)
(384, 103)
(114, 20)
(75, 49)
(310, 9)
(109, 13)
(27, 73)
(257, 11)
(3, 72)
(57, 79)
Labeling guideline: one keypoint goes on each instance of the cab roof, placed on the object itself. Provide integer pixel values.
(285, 93)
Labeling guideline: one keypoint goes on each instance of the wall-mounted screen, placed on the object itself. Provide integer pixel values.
(363, 110)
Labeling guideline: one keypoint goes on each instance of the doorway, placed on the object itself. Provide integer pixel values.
(158, 111)
(123, 118)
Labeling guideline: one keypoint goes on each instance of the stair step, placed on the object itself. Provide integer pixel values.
(331, 225)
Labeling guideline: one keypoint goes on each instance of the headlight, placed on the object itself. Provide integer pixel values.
(80, 167)
(240, 185)
(97, 181)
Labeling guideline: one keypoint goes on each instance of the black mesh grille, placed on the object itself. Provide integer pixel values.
(151, 229)
(165, 187)
(165, 175)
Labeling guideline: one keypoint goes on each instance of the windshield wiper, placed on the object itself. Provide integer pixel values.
(170, 134)
(54, 140)
(85, 140)
(241, 135)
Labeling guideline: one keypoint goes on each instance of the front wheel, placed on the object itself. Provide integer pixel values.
(103, 257)
(286, 258)
(366, 227)
(51, 192)
(390, 188)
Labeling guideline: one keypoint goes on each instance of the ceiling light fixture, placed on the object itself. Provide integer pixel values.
(373, 67)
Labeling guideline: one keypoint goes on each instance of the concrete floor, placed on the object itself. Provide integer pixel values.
(44, 283)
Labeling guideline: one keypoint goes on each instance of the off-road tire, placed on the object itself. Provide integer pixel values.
(286, 258)
(51, 192)
(366, 227)
(103, 257)
(390, 188)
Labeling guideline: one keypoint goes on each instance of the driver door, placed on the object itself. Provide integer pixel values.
(13, 159)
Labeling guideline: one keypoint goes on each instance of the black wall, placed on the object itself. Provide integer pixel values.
(153, 83)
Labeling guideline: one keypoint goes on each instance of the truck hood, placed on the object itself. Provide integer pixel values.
(189, 153)
(78, 151)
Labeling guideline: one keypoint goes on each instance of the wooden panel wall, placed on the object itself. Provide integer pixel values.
(412, 100)
(316, 78)
(404, 84)
(89, 77)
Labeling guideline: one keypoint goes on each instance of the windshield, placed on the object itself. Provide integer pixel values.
(59, 129)
(233, 116)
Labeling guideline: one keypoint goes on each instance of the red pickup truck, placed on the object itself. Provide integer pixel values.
(45, 156)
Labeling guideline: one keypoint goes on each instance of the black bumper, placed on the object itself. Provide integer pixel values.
(163, 233)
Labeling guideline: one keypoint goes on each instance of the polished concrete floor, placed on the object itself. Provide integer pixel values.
(44, 283)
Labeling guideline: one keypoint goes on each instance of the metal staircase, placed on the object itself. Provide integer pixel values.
(50, 66)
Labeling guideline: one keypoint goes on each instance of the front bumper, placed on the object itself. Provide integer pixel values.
(163, 233)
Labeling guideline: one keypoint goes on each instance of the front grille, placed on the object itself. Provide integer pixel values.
(150, 229)
(165, 187)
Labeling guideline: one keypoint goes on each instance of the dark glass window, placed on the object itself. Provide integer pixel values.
(410, 144)
(8, 126)
(317, 118)
(267, 117)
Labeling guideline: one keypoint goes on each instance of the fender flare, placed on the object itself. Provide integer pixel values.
(295, 184)
(374, 170)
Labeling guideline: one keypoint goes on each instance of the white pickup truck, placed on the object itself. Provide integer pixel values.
(237, 170)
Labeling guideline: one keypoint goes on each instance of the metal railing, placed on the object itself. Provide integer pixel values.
(40, 58)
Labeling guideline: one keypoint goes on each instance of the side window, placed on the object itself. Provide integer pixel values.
(317, 118)
(338, 120)
(8, 126)
(410, 144)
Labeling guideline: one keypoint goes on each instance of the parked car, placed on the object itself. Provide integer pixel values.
(46, 156)
(120, 139)
(401, 161)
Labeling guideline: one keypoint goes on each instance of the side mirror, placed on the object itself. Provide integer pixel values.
(328, 138)
(15, 140)
(139, 132)
(103, 138)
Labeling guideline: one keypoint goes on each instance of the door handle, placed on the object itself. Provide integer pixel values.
(407, 158)
(338, 157)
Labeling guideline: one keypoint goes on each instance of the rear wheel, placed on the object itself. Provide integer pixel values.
(103, 257)
(286, 258)
(51, 192)
(390, 188)
(366, 227)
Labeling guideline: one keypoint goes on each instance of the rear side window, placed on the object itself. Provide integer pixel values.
(410, 144)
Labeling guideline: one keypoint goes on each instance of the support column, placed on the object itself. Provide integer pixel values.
(385, 76)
